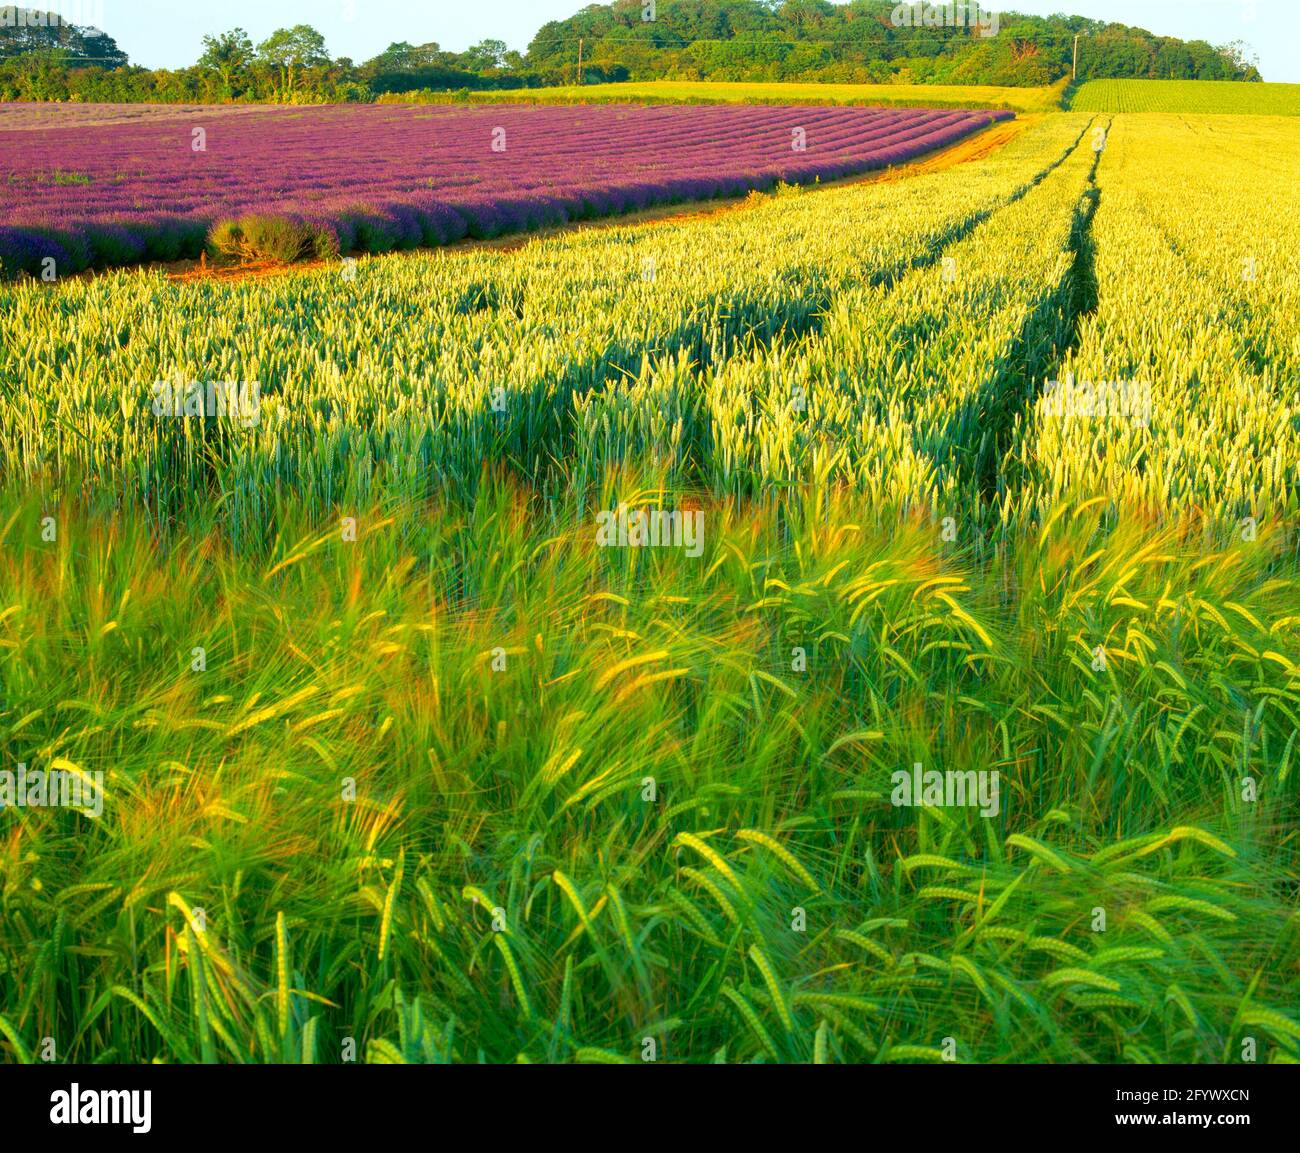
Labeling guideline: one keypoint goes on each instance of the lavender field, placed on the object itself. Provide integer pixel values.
(93, 186)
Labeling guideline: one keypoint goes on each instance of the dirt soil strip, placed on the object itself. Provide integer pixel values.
(965, 151)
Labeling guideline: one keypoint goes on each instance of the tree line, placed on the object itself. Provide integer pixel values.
(864, 41)
(869, 41)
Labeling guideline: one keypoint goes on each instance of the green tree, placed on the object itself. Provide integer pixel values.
(290, 50)
(403, 57)
(42, 74)
(486, 56)
(229, 55)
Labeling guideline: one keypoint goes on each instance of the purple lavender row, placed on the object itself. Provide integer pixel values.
(374, 179)
(228, 180)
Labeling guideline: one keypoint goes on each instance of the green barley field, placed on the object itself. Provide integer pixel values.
(1197, 96)
(993, 471)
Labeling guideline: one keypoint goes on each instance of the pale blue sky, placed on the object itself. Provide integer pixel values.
(168, 33)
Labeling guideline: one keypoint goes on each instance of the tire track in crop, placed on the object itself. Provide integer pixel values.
(971, 456)
(719, 327)
(1083, 274)
(1025, 369)
(808, 306)
(751, 330)
(919, 322)
(956, 235)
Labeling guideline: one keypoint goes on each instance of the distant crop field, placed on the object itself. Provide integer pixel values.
(330, 180)
(1223, 96)
(772, 92)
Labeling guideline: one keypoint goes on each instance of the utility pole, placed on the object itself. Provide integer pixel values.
(1075, 73)
(579, 60)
